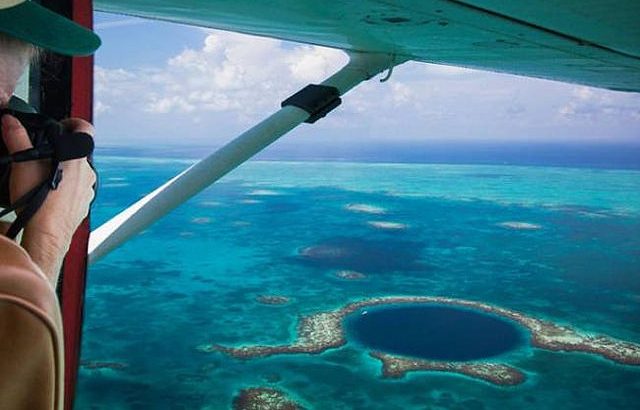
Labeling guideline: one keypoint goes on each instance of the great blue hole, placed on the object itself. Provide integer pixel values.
(434, 332)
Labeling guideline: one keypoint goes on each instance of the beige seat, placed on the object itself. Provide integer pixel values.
(31, 343)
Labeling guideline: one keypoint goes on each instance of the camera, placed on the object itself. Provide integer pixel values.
(50, 140)
(43, 133)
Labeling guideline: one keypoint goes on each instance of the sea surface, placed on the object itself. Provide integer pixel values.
(558, 243)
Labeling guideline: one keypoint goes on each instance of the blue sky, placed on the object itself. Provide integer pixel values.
(173, 84)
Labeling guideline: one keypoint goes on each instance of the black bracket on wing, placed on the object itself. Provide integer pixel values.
(317, 100)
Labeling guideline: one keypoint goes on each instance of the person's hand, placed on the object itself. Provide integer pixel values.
(48, 234)
(24, 175)
(67, 206)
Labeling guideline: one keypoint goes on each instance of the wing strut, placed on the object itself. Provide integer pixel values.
(361, 67)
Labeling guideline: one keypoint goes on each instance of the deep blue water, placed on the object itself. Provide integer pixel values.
(546, 154)
(363, 254)
(288, 228)
(434, 332)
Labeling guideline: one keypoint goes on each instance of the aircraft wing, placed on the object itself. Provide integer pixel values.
(590, 42)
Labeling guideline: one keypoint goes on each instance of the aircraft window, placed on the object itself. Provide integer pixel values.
(445, 239)
(22, 90)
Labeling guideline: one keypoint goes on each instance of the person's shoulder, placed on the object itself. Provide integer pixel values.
(31, 347)
(12, 254)
(22, 282)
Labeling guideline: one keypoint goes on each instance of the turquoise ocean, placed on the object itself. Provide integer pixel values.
(558, 243)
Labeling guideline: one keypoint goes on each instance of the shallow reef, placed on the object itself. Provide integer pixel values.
(95, 365)
(392, 226)
(520, 226)
(495, 373)
(264, 398)
(350, 275)
(273, 299)
(319, 332)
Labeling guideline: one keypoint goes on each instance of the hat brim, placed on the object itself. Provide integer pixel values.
(42, 27)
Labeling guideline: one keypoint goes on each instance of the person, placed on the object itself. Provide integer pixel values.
(31, 358)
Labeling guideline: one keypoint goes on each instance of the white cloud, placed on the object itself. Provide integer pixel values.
(231, 73)
(312, 64)
(402, 93)
(100, 108)
(231, 81)
(589, 104)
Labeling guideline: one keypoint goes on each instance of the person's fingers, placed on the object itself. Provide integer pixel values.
(14, 135)
(4, 227)
(77, 125)
(24, 175)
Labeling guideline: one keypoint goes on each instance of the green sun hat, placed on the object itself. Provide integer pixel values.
(35, 24)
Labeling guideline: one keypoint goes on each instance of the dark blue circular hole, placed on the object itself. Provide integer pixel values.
(434, 332)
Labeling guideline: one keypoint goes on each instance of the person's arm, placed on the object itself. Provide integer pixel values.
(48, 234)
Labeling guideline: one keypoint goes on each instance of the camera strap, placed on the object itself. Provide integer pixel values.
(63, 147)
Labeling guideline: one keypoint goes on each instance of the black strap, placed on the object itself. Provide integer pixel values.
(22, 201)
(63, 147)
(29, 154)
(32, 201)
(29, 210)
